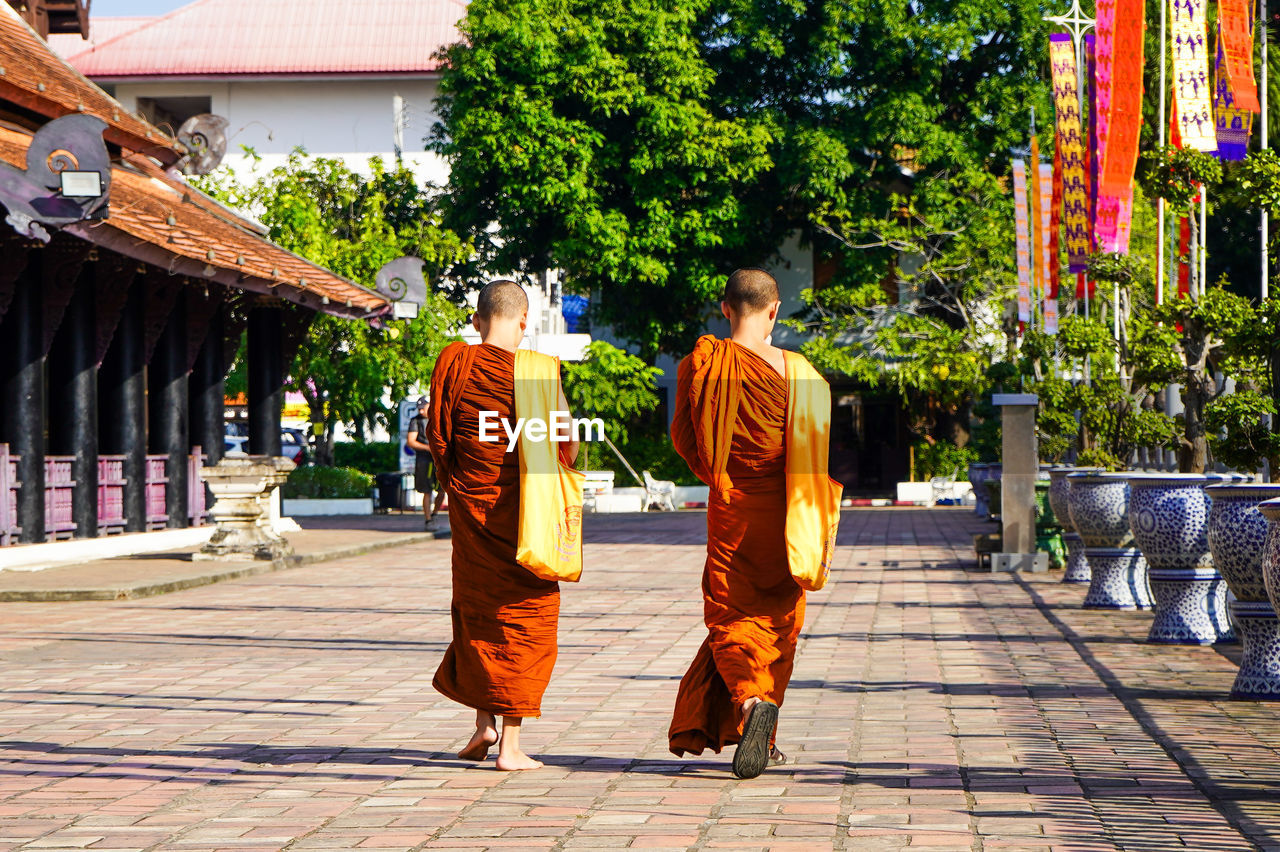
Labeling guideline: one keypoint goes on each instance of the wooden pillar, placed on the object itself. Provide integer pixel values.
(168, 382)
(122, 384)
(22, 365)
(208, 391)
(266, 380)
(73, 399)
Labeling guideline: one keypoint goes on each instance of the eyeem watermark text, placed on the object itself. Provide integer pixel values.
(560, 429)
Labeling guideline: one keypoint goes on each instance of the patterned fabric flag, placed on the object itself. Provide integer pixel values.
(1044, 235)
(1022, 225)
(1232, 125)
(1039, 270)
(1055, 227)
(1191, 86)
(1235, 53)
(1070, 179)
(1184, 257)
(1117, 118)
(1123, 81)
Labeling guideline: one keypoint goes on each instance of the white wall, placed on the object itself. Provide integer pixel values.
(348, 119)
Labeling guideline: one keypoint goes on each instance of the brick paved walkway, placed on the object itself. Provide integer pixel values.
(932, 706)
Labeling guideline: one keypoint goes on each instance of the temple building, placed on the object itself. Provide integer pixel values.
(124, 293)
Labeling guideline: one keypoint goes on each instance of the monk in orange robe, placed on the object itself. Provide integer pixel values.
(504, 617)
(753, 608)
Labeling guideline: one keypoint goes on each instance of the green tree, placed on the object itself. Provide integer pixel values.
(579, 136)
(615, 386)
(353, 224)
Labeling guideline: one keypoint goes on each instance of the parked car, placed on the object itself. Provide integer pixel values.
(293, 444)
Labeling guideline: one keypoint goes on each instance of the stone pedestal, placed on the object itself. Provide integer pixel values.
(1020, 468)
(1118, 579)
(243, 487)
(1259, 675)
(1077, 563)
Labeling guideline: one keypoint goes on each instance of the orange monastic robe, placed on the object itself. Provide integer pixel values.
(504, 618)
(753, 607)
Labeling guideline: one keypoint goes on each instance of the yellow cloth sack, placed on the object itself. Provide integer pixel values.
(550, 535)
(813, 497)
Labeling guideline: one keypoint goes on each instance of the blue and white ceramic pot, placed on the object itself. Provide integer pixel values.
(978, 473)
(1098, 503)
(1099, 506)
(1059, 490)
(1169, 515)
(1237, 531)
(1259, 675)
(1118, 579)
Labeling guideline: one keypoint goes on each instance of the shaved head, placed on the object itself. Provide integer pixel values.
(502, 299)
(750, 291)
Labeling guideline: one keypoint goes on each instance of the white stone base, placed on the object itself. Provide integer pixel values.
(308, 508)
(37, 557)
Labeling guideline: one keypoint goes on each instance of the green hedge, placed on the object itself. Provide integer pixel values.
(371, 458)
(327, 483)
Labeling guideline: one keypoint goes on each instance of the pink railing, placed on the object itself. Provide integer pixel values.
(111, 483)
(60, 486)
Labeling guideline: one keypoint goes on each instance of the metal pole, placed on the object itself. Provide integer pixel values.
(1161, 129)
(1202, 284)
(1265, 31)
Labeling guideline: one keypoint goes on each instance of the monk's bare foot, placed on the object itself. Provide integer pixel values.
(516, 762)
(485, 737)
(478, 748)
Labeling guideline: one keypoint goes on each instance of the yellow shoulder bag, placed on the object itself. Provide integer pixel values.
(550, 536)
(813, 497)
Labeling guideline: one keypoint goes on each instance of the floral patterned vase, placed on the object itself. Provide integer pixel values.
(1099, 508)
(1242, 540)
(1059, 489)
(1169, 516)
(978, 473)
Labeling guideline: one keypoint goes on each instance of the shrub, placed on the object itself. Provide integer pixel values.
(327, 483)
(372, 457)
(943, 458)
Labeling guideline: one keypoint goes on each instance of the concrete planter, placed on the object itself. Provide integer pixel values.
(336, 506)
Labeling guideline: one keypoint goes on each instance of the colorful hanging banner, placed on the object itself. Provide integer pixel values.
(1191, 87)
(1050, 316)
(1073, 206)
(1022, 227)
(1235, 53)
(1095, 120)
(1039, 271)
(1055, 228)
(1045, 242)
(1232, 125)
(1121, 79)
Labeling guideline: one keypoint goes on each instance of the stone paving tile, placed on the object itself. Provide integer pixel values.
(932, 707)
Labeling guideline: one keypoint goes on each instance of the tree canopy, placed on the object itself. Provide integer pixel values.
(649, 148)
(353, 224)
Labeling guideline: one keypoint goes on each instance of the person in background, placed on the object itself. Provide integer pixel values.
(424, 471)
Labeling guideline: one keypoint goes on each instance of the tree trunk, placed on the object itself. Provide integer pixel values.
(1193, 454)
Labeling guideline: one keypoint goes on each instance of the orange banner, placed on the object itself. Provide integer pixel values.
(1235, 40)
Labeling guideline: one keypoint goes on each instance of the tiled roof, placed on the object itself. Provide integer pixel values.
(167, 224)
(277, 37)
(33, 78)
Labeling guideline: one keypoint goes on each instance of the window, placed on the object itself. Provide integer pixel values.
(169, 113)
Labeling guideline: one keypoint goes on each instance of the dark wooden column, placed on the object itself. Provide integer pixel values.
(122, 386)
(73, 398)
(266, 380)
(168, 389)
(208, 391)
(22, 391)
